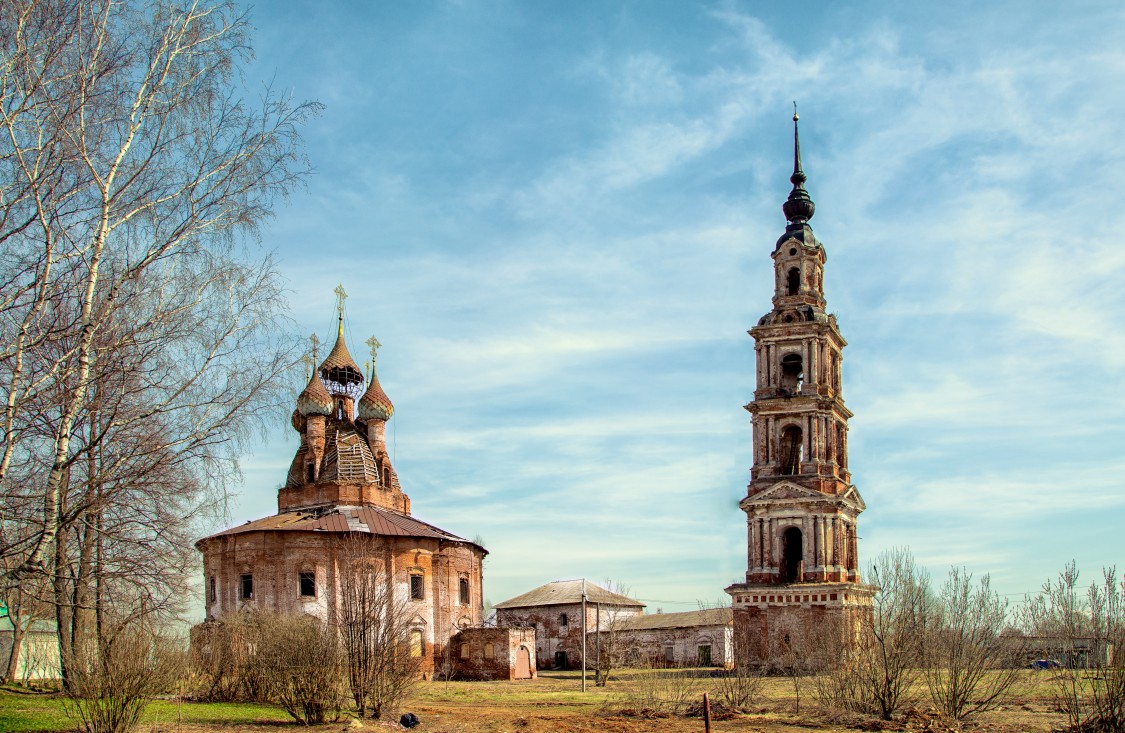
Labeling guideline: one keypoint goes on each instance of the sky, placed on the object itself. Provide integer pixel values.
(557, 217)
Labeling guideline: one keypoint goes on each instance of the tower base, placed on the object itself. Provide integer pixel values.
(777, 624)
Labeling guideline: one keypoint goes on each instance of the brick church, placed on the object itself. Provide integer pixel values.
(342, 493)
(802, 576)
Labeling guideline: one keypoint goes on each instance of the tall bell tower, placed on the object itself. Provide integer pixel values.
(802, 578)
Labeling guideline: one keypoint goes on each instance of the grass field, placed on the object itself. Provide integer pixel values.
(554, 702)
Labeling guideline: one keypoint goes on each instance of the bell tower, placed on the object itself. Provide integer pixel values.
(802, 575)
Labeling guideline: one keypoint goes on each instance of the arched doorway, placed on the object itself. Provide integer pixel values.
(792, 555)
(523, 663)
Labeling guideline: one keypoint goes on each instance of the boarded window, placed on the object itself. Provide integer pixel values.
(246, 586)
(464, 651)
(489, 650)
(703, 655)
(416, 643)
(464, 586)
(417, 587)
(308, 583)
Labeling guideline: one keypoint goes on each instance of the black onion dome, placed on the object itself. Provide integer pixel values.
(799, 207)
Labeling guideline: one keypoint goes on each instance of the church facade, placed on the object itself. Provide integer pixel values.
(342, 499)
(802, 576)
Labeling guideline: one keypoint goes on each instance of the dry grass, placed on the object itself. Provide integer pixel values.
(554, 703)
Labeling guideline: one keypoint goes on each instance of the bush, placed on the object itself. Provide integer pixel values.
(299, 660)
(112, 682)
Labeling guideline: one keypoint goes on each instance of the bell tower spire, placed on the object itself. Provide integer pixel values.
(802, 546)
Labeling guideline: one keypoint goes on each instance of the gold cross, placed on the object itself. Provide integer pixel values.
(374, 344)
(341, 296)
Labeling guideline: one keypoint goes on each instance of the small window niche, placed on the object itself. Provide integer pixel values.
(417, 587)
(307, 579)
(562, 619)
(793, 281)
(310, 473)
(246, 586)
(211, 592)
(463, 588)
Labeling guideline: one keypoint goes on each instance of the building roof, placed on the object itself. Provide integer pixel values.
(368, 519)
(314, 400)
(682, 620)
(568, 592)
(375, 404)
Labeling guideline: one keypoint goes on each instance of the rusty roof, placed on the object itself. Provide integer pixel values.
(568, 592)
(368, 519)
(339, 359)
(681, 620)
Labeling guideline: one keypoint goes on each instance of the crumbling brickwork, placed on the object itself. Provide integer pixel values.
(341, 487)
(494, 654)
(801, 507)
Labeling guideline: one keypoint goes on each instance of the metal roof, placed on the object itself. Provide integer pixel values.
(368, 519)
(568, 592)
(681, 620)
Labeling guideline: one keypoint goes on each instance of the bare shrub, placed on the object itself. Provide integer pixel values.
(735, 690)
(300, 658)
(382, 665)
(1084, 635)
(223, 659)
(876, 674)
(970, 665)
(661, 692)
(112, 682)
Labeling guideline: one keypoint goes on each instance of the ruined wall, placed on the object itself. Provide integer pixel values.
(494, 654)
(806, 619)
(275, 561)
(650, 646)
(558, 644)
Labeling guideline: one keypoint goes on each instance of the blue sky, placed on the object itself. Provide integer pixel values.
(557, 218)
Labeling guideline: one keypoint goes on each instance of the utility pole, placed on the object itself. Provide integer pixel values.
(583, 634)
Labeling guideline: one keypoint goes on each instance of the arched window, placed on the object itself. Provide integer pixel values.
(793, 281)
(790, 450)
(792, 372)
(792, 555)
(310, 473)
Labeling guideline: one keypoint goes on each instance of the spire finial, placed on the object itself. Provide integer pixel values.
(799, 207)
(310, 363)
(341, 296)
(315, 341)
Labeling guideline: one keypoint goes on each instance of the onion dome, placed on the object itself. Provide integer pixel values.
(799, 207)
(314, 400)
(339, 368)
(375, 404)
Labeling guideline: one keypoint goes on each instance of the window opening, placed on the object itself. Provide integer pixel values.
(792, 557)
(211, 583)
(464, 588)
(417, 588)
(792, 372)
(489, 651)
(793, 282)
(669, 655)
(308, 583)
(309, 473)
(562, 619)
(416, 643)
(246, 582)
(791, 447)
(464, 651)
(560, 660)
